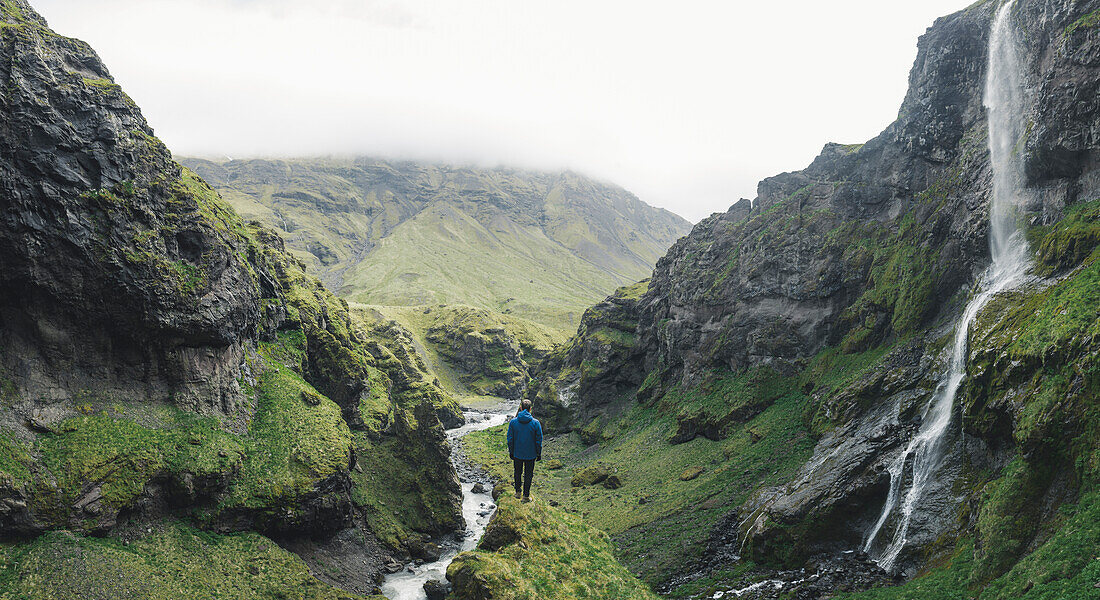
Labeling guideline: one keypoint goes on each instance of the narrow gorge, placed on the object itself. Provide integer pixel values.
(879, 379)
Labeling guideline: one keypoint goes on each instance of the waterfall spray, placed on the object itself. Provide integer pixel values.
(1004, 101)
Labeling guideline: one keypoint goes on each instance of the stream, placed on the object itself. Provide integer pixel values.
(477, 509)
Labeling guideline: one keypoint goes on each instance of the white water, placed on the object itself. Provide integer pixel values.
(1004, 101)
(477, 509)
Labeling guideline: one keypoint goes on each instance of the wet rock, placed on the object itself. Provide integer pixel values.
(479, 488)
(392, 566)
(311, 398)
(435, 589)
(432, 552)
(499, 534)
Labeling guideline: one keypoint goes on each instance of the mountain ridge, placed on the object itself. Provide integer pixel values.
(542, 245)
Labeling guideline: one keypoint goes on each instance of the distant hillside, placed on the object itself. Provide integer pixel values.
(471, 352)
(539, 245)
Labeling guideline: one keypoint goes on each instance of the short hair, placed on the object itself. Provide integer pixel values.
(525, 404)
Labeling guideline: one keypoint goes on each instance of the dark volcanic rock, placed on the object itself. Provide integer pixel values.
(435, 589)
(597, 371)
(133, 300)
(871, 246)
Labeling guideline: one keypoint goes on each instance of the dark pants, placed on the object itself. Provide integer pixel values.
(526, 470)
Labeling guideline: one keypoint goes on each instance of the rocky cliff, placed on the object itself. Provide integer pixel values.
(472, 353)
(538, 245)
(162, 361)
(839, 285)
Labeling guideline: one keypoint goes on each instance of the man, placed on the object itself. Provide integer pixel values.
(525, 447)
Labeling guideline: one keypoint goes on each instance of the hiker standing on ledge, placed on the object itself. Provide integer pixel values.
(525, 447)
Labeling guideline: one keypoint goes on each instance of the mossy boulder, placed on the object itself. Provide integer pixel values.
(691, 473)
(590, 475)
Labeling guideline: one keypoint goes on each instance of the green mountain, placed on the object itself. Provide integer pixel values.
(543, 246)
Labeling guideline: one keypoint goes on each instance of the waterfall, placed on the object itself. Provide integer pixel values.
(1004, 101)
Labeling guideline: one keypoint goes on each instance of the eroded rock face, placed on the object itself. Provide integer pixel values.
(110, 282)
(598, 371)
(874, 247)
(154, 348)
(778, 280)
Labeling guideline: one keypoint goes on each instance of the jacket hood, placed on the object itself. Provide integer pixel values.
(524, 417)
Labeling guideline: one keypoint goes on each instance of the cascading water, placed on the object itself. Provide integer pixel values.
(1004, 101)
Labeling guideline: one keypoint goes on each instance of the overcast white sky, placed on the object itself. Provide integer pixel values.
(687, 104)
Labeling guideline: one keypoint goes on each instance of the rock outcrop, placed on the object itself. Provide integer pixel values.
(160, 358)
(863, 261)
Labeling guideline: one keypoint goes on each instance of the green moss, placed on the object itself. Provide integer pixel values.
(1008, 519)
(398, 489)
(1088, 21)
(15, 461)
(902, 275)
(190, 277)
(551, 556)
(1065, 567)
(633, 292)
(1058, 319)
(1069, 242)
(102, 84)
(121, 456)
(293, 444)
(172, 562)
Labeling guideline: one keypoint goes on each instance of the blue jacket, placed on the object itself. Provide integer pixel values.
(525, 437)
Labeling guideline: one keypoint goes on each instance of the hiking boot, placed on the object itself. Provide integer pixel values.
(518, 496)
(526, 498)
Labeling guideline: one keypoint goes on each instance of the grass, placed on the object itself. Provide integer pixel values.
(15, 461)
(171, 562)
(533, 551)
(657, 536)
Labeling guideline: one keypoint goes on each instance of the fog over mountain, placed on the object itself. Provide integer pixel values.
(687, 108)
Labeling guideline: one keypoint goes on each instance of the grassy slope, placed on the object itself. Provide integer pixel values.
(541, 246)
(548, 555)
(444, 255)
(171, 562)
(659, 521)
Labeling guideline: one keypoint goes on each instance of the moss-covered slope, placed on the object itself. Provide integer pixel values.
(473, 353)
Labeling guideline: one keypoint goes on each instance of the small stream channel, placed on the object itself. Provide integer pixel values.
(477, 509)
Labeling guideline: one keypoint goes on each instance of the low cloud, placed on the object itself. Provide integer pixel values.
(686, 104)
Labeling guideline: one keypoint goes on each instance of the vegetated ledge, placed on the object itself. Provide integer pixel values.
(533, 550)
